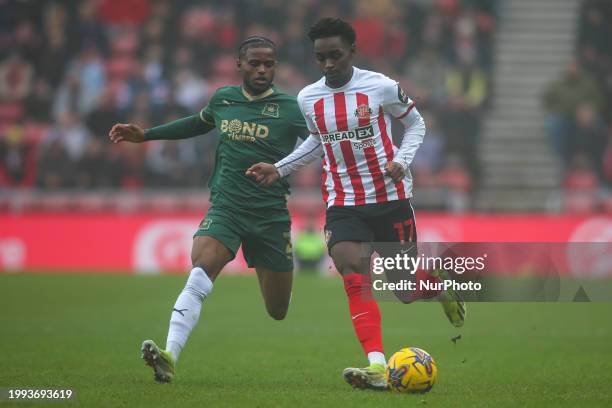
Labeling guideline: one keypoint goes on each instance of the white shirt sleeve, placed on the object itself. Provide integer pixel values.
(304, 154)
(395, 101)
(401, 107)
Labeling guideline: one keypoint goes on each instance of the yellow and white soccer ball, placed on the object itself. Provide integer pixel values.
(411, 370)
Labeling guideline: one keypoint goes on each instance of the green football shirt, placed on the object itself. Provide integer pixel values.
(252, 129)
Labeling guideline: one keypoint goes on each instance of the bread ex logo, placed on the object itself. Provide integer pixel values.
(360, 133)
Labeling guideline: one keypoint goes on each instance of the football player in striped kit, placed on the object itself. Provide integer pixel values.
(366, 180)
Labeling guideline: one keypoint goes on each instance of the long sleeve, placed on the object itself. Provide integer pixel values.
(401, 107)
(305, 153)
(179, 129)
(414, 132)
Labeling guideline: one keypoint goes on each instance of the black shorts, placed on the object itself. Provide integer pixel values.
(392, 221)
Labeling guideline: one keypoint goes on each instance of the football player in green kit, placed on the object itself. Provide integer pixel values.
(257, 123)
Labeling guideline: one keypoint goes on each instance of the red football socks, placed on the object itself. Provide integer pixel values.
(424, 293)
(365, 314)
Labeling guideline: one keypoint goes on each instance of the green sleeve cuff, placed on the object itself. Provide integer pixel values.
(184, 128)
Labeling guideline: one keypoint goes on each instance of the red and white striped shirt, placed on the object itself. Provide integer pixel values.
(354, 124)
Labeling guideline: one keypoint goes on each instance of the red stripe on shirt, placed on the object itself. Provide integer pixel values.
(388, 144)
(370, 153)
(340, 110)
(377, 175)
(333, 169)
(319, 108)
(353, 172)
(347, 148)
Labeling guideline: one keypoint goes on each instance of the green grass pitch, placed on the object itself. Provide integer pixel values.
(84, 333)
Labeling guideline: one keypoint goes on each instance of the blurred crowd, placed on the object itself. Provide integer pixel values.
(579, 120)
(69, 70)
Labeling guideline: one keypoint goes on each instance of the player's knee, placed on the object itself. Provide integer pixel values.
(210, 255)
(208, 264)
(198, 283)
(348, 267)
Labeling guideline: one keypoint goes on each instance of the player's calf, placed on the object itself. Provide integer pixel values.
(277, 306)
(276, 291)
(278, 312)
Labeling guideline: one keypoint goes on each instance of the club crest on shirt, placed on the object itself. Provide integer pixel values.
(271, 109)
(363, 111)
(205, 224)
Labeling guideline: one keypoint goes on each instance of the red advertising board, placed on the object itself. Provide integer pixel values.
(152, 243)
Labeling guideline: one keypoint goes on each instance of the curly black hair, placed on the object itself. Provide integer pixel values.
(332, 27)
(255, 42)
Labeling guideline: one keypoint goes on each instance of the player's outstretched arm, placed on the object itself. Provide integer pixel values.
(267, 174)
(184, 128)
(126, 132)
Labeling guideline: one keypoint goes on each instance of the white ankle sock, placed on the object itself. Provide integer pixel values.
(186, 311)
(376, 357)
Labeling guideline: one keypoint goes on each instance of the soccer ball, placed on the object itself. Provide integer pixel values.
(411, 370)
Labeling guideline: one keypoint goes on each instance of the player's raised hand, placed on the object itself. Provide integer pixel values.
(395, 171)
(265, 174)
(126, 132)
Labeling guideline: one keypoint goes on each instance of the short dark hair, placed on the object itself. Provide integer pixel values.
(332, 27)
(255, 41)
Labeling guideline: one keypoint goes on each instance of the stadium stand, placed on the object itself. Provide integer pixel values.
(69, 70)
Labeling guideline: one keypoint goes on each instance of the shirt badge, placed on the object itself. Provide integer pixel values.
(271, 109)
(363, 111)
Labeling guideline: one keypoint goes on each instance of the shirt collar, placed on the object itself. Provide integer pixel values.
(262, 95)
